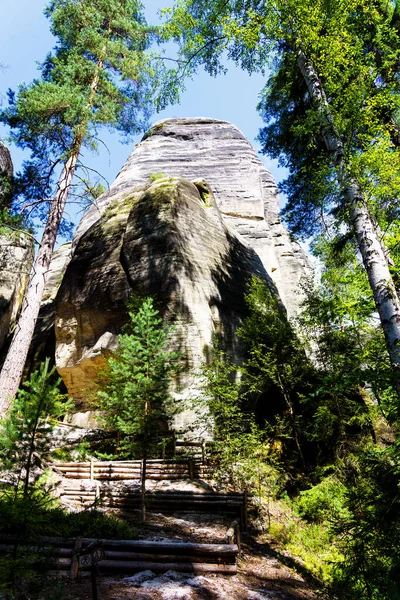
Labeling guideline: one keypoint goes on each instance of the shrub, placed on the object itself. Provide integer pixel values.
(155, 176)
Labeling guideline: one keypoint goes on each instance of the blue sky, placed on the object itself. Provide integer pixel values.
(25, 39)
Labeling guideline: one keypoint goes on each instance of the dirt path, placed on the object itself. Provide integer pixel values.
(261, 576)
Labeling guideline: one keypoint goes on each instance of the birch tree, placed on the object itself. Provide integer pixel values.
(336, 129)
(100, 74)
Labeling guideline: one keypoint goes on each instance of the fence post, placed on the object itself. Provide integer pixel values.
(191, 468)
(238, 538)
(74, 560)
(245, 499)
(163, 449)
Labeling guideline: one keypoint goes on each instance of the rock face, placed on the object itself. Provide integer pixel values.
(43, 342)
(6, 174)
(245, 192)
(165, 240)
(190, 218)
(16, 256)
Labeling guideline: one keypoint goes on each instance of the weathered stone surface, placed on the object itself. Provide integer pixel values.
(163, 240)
(6, 174)
(245, 192)
(54, 276)
(43, 342)
(16, 256)
(90, 306)
(6, 165)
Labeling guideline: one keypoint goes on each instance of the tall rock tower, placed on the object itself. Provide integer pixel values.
(245, 192)
(191, 217)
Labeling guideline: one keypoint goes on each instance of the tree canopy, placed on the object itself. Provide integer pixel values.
(101, 73)
(331, 108)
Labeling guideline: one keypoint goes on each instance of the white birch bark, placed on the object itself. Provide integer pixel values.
(374, 254)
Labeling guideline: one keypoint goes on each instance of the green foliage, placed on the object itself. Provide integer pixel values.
(277, 368)
(136, 397)
(330, 107)
(47, 519)
(338, 326)
(353, 47)
(155, 176)
(223, 389)
(25, 444)
(27, 519)
(343, 523)
(322, 502)
(26, 434)
(370, 528)
(101, 73)
(313, 544)
(240, 450)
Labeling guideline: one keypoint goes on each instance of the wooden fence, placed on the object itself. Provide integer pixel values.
(126, 556)
(231, 503)
(131, 469)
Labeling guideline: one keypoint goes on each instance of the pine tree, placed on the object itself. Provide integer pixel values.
(136, 397)
(276, 359)
(26, 434)
(101, 73)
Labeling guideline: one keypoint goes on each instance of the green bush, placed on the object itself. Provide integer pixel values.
(155, 176)
(322, 501)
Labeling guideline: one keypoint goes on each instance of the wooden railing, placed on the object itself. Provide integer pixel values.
(131, 469)
(126, 556)
(231, 503)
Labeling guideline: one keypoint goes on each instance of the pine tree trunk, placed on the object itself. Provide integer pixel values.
(13, 367)
(373, 252)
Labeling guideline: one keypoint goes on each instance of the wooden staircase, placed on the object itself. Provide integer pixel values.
(231, 503)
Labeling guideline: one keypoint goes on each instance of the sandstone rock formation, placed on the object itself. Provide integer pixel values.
(192, 238)
(245, 192)
(6, 174)
(43, 342)
(16, 255)
(162, 240)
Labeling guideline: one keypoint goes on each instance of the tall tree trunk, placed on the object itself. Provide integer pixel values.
(13, 367)
(14, 363)
(374, 254)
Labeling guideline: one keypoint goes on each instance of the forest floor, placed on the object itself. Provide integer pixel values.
(264, 573)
